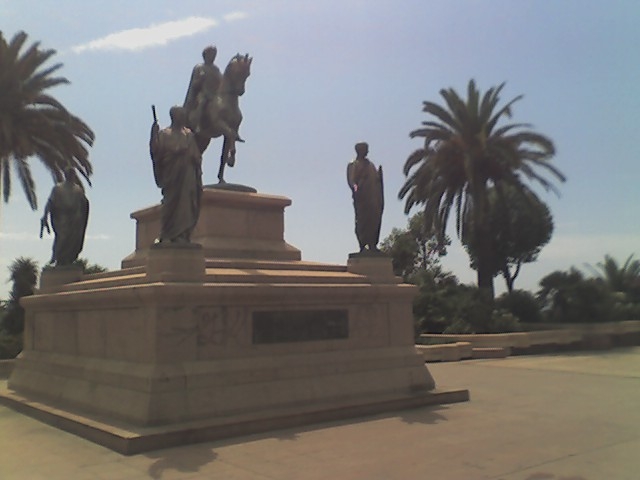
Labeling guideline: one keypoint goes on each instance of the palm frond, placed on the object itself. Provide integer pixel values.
(504, 111)
(442, 114)
(6, 178)
(33, 123)
(457, 107)
(416, 157)
(28, 185)
(502, 131)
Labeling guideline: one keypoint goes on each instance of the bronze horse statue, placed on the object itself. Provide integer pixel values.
(221, 115)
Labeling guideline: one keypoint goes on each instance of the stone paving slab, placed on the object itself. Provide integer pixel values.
(573, 417)
(622, 362)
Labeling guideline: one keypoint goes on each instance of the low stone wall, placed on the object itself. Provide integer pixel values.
(449, 352)
(557, 338)
(452, 352)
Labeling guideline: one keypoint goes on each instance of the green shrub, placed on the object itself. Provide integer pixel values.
(503, 321)
(568, 297)
(522, 304)
(439, 305)
(626, 310)
(447, 307)
(459, 326)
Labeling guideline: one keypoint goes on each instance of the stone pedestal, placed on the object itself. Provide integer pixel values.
(242, 345)
(162, 353)
(175, 262)
(53, 278)
(375, 266)
(231, 225)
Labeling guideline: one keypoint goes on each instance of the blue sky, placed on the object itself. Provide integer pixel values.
(327, 74)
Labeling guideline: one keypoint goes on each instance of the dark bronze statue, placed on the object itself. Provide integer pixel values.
(212, 104)
(68, 209)
(177, 168)
(203, 87)
(366, 187)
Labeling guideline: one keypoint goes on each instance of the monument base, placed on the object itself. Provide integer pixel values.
(54, 277)
(130, 440)
(234, 187)
(175, 262)
(376, 266)
(157, 352)
(188, 347)
(232, 224)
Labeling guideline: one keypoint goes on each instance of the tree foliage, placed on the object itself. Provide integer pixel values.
(521, 224)
(24, 277)
(522, 304)
(569, 297)
(414, 248)
(443, 305)
(623, 278)
(466, 153)
(623, 281)
(613, 294)
(89, 268)
(32, 122)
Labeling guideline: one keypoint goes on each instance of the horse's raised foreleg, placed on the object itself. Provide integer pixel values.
(231, 153)
(223, 161)
(228, 156)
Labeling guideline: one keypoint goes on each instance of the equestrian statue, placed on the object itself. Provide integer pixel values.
(212, 105)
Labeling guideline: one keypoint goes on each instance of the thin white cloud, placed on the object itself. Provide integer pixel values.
(18, 236)
(136, 39)
(233, 16)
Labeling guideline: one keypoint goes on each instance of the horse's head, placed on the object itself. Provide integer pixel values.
(236, 73)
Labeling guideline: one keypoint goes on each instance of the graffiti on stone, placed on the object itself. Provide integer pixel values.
(219, 326)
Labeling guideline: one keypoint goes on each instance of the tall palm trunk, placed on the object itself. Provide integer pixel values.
(485, 263)
(484, 238)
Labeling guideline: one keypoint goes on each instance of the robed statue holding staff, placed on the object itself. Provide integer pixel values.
(365, 182)
(177, 168)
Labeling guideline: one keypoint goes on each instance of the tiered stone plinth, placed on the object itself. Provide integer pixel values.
(231, 225)
(175, 263)
(234, 345)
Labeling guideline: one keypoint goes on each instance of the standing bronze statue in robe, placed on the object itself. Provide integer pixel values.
(366, 187)
(177, 168)
(68, 209)
(212, 104)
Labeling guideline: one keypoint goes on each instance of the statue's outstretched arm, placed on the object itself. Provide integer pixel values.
(44, 223)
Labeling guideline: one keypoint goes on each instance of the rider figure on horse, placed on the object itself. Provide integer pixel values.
(203, 88)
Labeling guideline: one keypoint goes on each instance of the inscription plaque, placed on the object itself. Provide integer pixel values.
(280, 326)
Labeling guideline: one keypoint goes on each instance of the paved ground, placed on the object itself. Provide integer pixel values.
(565, 417)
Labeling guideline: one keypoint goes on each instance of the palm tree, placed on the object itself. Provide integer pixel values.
(33, 123)
(619, 278)
(466, 153)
